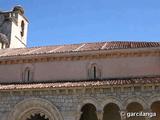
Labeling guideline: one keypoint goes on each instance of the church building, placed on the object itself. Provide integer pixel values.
(88, 81)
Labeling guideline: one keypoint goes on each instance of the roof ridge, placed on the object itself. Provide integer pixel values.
(94, 46)
(92, 43)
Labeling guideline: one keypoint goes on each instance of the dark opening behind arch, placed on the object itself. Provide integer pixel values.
(155, 107)
(111, 112)
(88, 112)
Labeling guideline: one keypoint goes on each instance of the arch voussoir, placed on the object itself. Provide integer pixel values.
(32, 106)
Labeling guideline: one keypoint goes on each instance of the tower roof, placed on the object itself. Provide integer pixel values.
(19, 9)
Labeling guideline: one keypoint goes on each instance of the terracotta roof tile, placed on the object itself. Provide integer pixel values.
(81, 83)
(67, 48)
(120, 45)
(92, 46)
(75, 48)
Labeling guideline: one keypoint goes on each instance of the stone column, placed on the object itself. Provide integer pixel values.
(99, 114)
(147, 118)
(78, 115)
(123, 114)
(147, 111)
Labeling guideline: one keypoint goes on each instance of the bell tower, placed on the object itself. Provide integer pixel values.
(13, 28)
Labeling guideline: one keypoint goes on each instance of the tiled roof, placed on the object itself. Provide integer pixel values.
(94, 83)
(75, 48)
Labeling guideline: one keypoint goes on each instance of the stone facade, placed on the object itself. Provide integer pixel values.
(66, 104)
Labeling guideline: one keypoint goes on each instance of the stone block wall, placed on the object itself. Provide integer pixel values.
(68, 102)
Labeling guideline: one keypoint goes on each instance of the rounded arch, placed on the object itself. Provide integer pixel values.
(28, 73)
(94, 70)
(135, 107)
(31, 106)
(85, 101)
(114, 100)
(88, 112)
(29, 65)
(135, 99)
(111, 112)
(155, 108)
(153, 99)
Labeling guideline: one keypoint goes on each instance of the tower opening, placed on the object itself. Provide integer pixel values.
(22, 28)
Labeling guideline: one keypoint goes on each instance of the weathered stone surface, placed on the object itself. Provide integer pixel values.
(68, 105)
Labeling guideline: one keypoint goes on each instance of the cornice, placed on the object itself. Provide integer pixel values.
(75, 57)
(59, 89)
